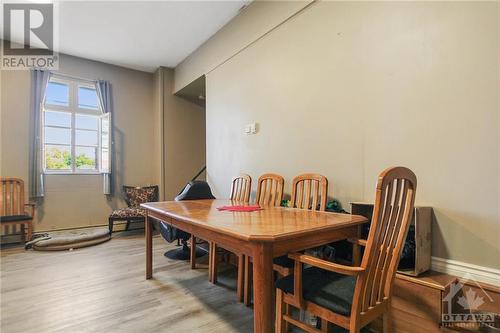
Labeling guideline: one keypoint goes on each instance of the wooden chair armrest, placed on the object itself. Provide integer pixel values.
(357, 241)
(33, 206)
(326, 265)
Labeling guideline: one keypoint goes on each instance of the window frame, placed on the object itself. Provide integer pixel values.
(73, 109)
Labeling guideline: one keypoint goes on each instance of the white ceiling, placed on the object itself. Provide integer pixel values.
(141, 35)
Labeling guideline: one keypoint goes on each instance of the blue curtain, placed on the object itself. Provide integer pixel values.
(39, 81)
(103, 89)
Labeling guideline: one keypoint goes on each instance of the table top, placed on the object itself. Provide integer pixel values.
(268, 224)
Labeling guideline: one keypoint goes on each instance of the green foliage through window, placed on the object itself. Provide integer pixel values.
(60, 159)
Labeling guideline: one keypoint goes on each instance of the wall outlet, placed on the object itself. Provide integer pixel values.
(250, 128)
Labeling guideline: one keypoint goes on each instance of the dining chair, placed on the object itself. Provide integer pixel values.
(13, 208)
(240, 192)
(269, 190)
(269, 193)
(353, 296)
(240, 188)
(309, 191)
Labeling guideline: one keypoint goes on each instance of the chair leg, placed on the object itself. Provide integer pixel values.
(387, 321)
(324, 325)
(279, 322)
(241, 278)
(192, 257)
(247, 281)
(110, 225)
(30, 231)
(213, 263)
(23, 235)
(288, 312)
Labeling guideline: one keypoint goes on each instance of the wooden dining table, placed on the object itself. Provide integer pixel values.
(262, 235)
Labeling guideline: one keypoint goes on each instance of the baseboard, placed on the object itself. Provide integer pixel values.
(466, 270)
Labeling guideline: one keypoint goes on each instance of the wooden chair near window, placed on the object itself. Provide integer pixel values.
(353, 296)
(240, 191)
(13, 208)
(309, 191)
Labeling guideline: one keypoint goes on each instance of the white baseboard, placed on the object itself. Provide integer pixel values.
(463, 269)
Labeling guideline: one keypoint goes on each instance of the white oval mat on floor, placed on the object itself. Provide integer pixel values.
(71, 239)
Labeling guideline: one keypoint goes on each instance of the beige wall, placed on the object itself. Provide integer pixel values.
(77, 200)
(184, 138)
(254, 21)
(348, 88)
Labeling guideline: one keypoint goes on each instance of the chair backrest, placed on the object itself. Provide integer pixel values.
(309, 191)
(134, 196)
(240, 188)
(394, 203)
(11, 196)
(269, 190)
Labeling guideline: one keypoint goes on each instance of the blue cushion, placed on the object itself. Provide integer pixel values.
(12, 218)
(327, 289)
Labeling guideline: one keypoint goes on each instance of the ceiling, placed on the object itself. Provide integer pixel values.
(141, 35)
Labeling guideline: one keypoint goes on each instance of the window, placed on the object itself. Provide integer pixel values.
(75, 131)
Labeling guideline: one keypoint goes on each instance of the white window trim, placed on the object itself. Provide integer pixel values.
(74, 109)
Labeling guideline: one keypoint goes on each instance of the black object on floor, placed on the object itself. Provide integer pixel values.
(183, 253)
(194, 190)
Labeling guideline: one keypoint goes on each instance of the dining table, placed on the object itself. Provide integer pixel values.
(262, 234)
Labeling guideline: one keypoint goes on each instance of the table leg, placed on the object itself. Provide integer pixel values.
(149, 248)
(356, 249)
(263, 305)
(192, 254)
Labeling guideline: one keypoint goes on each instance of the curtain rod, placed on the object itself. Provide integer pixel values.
(73, 77)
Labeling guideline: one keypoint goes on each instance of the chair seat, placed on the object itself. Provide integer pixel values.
(284, 261)
(324, 288)
(14, 218)
(129, 212)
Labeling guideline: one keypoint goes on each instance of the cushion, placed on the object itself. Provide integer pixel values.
(72, 239)
(12, 218)
(135, 196)
(330, 290)
(284, 261)
(128, 212)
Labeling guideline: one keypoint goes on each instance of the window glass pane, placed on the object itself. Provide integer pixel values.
(57, 157)
(86, 138)
(57, 94)
(87, 98)
(53, 118)
(105, 140)
(57, 135)
(105, 160)
(105, 125)
(85, 158)
(87, 122)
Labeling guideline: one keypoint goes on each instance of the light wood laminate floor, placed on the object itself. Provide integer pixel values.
(103, 289)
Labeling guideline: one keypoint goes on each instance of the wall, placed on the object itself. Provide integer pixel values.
(348, 88)
(77, 200)
(254, 21)
(184, 138)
